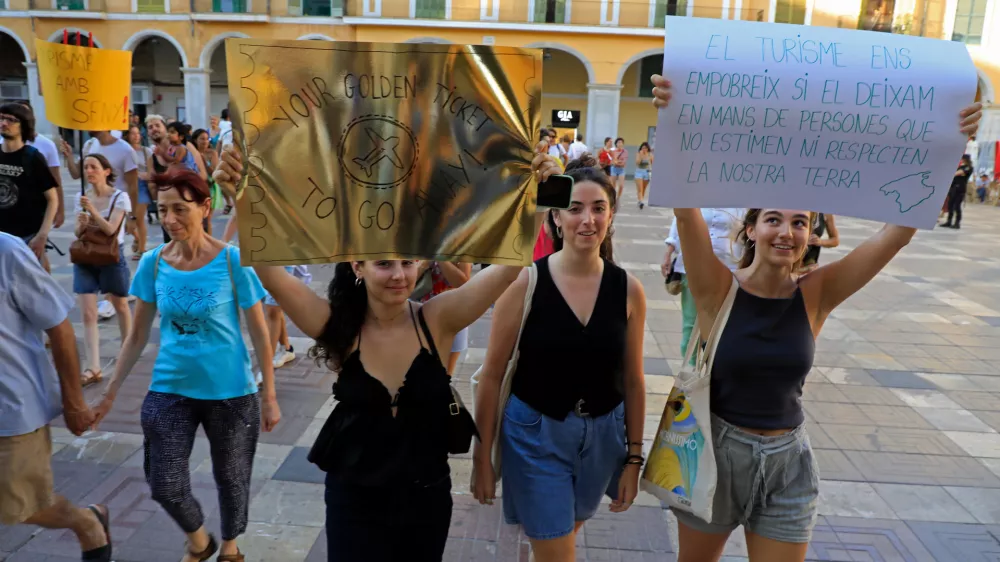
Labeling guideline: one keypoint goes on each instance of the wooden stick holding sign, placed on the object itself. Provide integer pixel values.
(840, 121)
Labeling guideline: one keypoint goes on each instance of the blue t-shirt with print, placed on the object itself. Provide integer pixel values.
(202, 354)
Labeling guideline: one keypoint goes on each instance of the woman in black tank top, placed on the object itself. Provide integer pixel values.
(768, 480)
(572, 426)
(385, 446)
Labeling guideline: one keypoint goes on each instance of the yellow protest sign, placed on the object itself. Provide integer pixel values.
(85, 88)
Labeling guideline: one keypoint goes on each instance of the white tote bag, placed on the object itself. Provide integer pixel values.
(681, 469)
(508, 374)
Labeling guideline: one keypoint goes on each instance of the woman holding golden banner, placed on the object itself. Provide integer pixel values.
(385, 447)
(768, 478)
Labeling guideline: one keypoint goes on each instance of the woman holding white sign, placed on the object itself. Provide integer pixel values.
(768, 480)
(385, 446)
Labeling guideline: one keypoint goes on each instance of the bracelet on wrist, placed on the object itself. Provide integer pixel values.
(635, 459)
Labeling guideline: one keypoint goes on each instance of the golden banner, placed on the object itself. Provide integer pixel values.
(361, 151)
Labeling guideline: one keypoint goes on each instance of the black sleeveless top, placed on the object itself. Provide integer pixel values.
(373, 448)
(761, 362)
(563, 361)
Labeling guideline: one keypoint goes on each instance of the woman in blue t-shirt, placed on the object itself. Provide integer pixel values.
(202, 373)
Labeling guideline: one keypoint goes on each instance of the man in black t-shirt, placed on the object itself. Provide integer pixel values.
(956, 194)
(28, 199)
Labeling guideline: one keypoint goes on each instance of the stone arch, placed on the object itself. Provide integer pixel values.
(316, 37)
(634, 59)
(134, 41)
(591, 77)
(433, 40)
(986, 91)
(58, 35)
(16, 38)
(205, 60)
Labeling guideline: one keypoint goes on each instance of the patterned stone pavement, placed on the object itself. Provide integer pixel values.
(903, 409)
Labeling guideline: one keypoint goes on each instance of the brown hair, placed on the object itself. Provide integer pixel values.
(584, 169)
(25, 115)
(192, 188)
(105, 164)
(749, 248)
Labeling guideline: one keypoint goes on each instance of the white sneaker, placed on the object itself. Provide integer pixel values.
(283, 356)
(105, 310)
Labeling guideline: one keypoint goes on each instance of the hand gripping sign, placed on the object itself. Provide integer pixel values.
(360, 151)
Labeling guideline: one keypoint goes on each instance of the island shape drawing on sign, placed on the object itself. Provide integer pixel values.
(911, 190)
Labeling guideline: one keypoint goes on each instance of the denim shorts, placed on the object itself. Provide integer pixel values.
(144, 197)
(770, 485)
(108, 279)
(555, 472)
(616, 171)
(641, 174)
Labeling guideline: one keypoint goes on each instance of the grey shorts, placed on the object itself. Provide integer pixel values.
(770, 485)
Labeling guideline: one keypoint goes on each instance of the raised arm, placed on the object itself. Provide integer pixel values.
(708, 278)
(452, 311)
(306, 309)
(833, 283)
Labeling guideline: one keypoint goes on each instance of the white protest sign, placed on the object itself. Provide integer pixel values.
(848, 122)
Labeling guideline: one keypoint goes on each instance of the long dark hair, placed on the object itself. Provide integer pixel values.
(585, 168)
(348, 307)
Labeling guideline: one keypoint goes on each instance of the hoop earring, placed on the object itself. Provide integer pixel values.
(558, 232)
(357, 281)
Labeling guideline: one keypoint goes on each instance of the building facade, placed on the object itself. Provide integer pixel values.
(598, 53)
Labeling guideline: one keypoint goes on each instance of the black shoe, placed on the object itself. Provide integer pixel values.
(945, 225)
(956, 227)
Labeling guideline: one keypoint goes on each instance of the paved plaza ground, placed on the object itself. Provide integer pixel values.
(903, 409)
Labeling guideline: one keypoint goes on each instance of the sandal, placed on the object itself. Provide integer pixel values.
(94, 377)
(136, 257)
(102, 553)
(238, 557)
(227, 210)
(209, 551)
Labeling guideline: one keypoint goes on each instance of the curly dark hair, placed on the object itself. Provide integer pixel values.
(585, 168)
(348, 306)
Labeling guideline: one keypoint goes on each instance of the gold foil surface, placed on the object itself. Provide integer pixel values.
(361, 151)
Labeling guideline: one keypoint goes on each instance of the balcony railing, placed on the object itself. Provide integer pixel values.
(235, 7)
(321, 8)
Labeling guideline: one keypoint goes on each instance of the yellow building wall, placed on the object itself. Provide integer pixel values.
(563, 74)
(635, 117)
(633, 14)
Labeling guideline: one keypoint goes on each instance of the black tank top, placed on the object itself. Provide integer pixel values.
(562, 361)
(762, 359)
(373, 448)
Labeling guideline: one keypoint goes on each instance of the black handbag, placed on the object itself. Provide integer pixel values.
(461, 425)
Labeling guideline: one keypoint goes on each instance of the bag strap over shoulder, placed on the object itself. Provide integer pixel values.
(705, 357)
(528, 296)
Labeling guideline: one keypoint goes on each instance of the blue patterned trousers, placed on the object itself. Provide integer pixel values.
(169, 424)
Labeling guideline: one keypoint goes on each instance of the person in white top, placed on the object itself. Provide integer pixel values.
(105, 207)
(577, 149)
(722, 226)
(122, 158)
(48, 149)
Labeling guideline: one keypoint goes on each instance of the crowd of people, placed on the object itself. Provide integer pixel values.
(560, 397)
